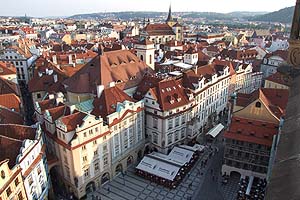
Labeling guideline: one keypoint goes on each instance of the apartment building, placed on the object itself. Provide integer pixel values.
(24, 167)
(92, 147)
(251, 137)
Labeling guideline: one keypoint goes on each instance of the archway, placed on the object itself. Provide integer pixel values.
(235, 174)
(90, 187)
(140, 155)
(147, 150)
(58, 187)
(129, 161)
(105, 178)
(119, 169)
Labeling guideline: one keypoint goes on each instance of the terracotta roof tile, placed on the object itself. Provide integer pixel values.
(107, 103)
(8, 116)
(275, 99)
(159, 29)
(71, 121)
(280, 79)
(171, 94)
(12, 136)
(120, 66)
(7, 69)
(8, 87)
(10, 101)
(258, 132)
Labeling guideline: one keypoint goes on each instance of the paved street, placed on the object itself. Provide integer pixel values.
(211, 189)
(132, 186)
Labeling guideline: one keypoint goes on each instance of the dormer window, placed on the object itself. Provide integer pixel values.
(2, 174)
(258, 104)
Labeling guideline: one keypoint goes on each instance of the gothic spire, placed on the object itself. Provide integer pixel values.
(296, 22)
(170, 14)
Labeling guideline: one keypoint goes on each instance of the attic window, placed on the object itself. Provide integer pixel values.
(133, 77)
(258, 104)
(2, 174)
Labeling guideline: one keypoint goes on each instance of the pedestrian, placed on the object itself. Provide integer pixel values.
(108, 189)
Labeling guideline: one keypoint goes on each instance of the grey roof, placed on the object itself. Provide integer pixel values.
(285, 178)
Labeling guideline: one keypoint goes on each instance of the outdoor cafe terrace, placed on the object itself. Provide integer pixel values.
(169, 170)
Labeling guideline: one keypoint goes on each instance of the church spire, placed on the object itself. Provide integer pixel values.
(296, 22)
(170, 14)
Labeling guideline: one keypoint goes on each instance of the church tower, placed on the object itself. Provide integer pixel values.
(170, 21)
(145, 52)
(294, 49)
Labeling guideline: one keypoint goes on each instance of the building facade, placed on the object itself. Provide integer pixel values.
(254, 127)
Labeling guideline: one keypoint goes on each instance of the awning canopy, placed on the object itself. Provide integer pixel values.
(216, 130)
(196, 147)
(158, 168)
(249, 185)
(178, 156)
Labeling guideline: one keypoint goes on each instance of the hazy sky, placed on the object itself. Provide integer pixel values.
(71, 7)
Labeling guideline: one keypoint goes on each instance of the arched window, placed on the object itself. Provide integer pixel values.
(150, 59)
(142, 58)
(258, 104)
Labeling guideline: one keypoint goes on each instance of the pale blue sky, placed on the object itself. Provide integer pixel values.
(71, 7)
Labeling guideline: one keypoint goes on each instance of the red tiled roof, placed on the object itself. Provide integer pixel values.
(281, 53)
(239, 54)
(7, 69)
(107, 103)
(71, 121)
(119, 66)
(144, 86)
(8, 116)
(11, 140)
(10, 101)
(258, 132)
(59, 111)
(275, 99)
(280, 79)
(48, 104)
(171, 94)
(8, 87)
(159, 29)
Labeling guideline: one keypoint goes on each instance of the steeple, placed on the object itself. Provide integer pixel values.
(170, 14)
(295, 31)
(294, 42)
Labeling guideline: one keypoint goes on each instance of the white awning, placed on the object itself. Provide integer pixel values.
(158, 168)
(196, 147)
(215, 130)
(178, 156)
(181, 155)
(249, 185)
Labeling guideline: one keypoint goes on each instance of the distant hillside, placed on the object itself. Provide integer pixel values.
(121, 15)
(134, 15)
(284, 15)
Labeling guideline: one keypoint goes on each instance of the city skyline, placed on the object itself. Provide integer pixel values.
(69, 8)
